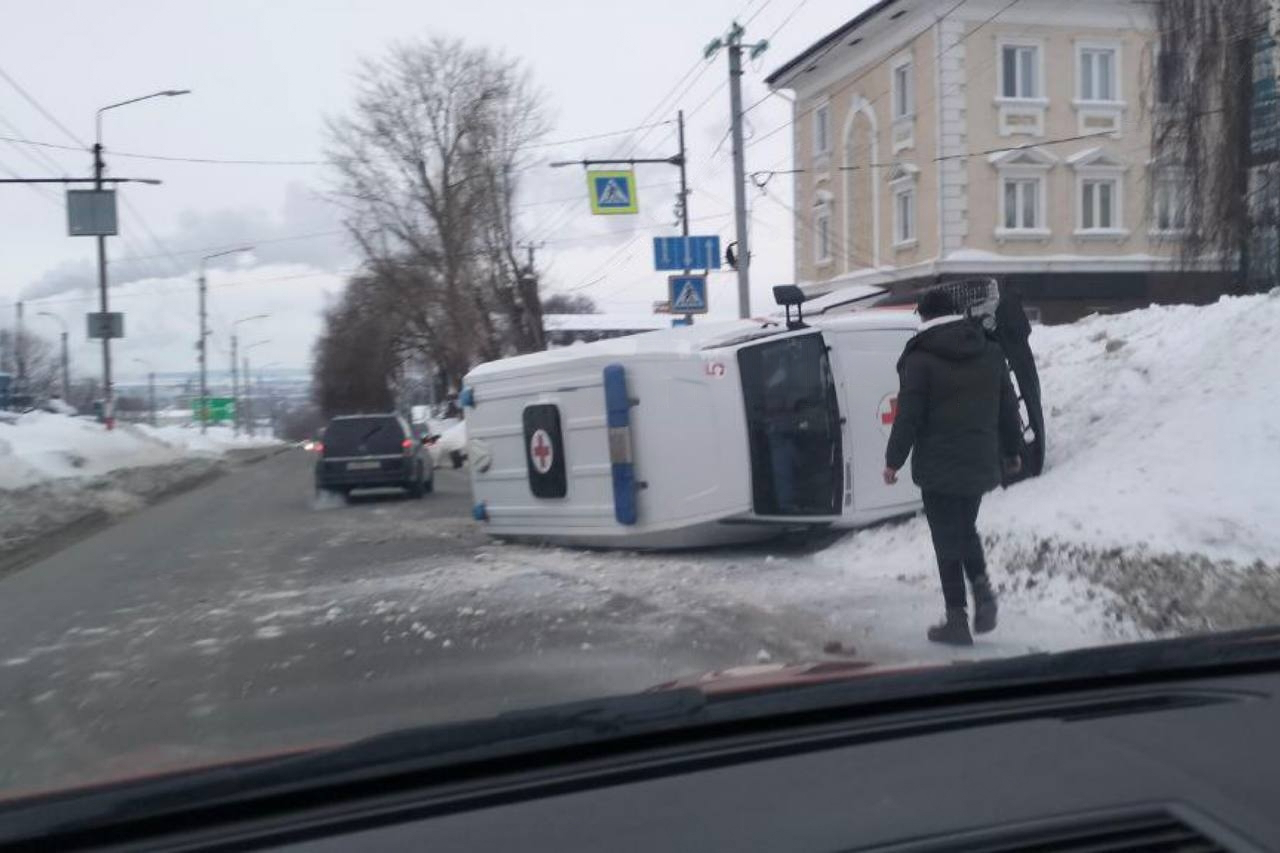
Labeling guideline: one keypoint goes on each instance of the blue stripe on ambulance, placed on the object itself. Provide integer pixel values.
(618, 418)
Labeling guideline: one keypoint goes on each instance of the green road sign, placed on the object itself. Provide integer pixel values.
(220, 409)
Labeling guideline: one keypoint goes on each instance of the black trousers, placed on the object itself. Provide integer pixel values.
(953, 523)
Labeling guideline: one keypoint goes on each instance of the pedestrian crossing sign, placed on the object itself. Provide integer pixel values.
(613, 192)
(688, 294)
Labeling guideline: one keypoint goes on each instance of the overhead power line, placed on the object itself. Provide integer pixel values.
(30, 99)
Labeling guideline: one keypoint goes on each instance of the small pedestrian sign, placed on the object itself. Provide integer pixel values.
(613, 192)
(688, 294)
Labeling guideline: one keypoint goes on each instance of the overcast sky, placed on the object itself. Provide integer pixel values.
(265, 75)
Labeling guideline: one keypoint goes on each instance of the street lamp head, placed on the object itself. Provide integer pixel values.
(173, 93)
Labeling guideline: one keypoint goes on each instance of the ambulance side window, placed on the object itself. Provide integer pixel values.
(793, 426)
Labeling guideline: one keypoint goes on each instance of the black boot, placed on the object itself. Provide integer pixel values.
(984, 606)
(954, 631)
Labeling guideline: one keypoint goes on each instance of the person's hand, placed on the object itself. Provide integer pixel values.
(890, 476)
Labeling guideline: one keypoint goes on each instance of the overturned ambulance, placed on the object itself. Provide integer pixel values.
(712, 434)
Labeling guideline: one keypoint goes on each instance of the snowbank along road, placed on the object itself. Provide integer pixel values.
(245, 615)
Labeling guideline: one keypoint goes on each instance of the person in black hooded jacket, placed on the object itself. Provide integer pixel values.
(957, 418)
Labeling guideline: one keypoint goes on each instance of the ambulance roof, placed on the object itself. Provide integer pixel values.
(684, 341)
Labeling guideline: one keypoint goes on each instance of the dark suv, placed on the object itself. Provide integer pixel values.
(373, 452)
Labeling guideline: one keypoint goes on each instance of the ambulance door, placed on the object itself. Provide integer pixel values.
(866, 361)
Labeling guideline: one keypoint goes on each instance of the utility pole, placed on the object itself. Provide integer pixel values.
(732, 42)
(235, 386)
(66, 359)
(66, 370)
(108, 394)
(20, 350)
(248, 399)
(679, 160)
(201, 347)
(527, 298)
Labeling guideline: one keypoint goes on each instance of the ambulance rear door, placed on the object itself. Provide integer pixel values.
(865, 364)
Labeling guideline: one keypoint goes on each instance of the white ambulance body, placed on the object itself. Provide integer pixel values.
(712, 434)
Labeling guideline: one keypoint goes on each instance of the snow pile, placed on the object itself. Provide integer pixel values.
(1159, 499)
(40, 446)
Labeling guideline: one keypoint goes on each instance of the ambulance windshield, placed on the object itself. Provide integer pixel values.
(793, 424)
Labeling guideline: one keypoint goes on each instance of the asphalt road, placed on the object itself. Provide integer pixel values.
(249, 616)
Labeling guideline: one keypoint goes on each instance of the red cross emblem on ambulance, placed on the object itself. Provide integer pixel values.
(887, 412)
(541, 451)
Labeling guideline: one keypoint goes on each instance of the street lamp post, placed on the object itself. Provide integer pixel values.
(202, 345)
(151, 387)
(235, 368)
(248, 397)
(272, 401)
(66, 360)
(108, 395)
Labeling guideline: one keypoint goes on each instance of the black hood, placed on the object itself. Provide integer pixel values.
(958, 340)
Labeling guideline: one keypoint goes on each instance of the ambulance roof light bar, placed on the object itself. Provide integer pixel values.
(788, 295)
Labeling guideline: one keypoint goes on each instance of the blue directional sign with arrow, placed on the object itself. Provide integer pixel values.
(688, 294)
(686, 253)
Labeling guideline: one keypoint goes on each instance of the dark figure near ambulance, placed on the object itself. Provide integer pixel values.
(956, 413)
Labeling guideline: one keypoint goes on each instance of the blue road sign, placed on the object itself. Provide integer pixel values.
(688, 294)
(613, 192)
(692, 253)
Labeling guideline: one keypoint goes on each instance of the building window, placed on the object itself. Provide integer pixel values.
(822, 232)
(1021, 204)
(1168, 204)
(1098, 204)
(1168, 74)
(904, 216)
(822, 129)
(904, 105)
(1022, 186)
(1020, 71)
(1098, 74)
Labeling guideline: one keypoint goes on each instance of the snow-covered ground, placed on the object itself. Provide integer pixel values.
(1155, 516)
(40, 446)
(56, 469)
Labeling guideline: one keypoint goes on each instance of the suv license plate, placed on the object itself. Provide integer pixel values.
(363, 466)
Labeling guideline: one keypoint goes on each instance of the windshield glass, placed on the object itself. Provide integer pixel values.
(397, 364)
(363, 437)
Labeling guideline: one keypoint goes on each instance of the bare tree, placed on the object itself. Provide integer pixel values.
(1201, 94)
(427, 163)
(40, 360)
(355, 362)
(569, 303)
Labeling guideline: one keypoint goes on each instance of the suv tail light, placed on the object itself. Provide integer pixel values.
(407, 445)
(319, 447)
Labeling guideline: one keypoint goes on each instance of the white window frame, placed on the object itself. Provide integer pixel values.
(1021, 115)
(1116, 49)
(904, 122)
(822, 120)
(1005, 42)
(901, 64)
(1163, 177)
(822, 256)
(1019, 165)
(903, 182)
(1021, 178)
(1096, 164)
(1090, 110)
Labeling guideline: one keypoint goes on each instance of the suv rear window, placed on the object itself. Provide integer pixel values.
(372, 436)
